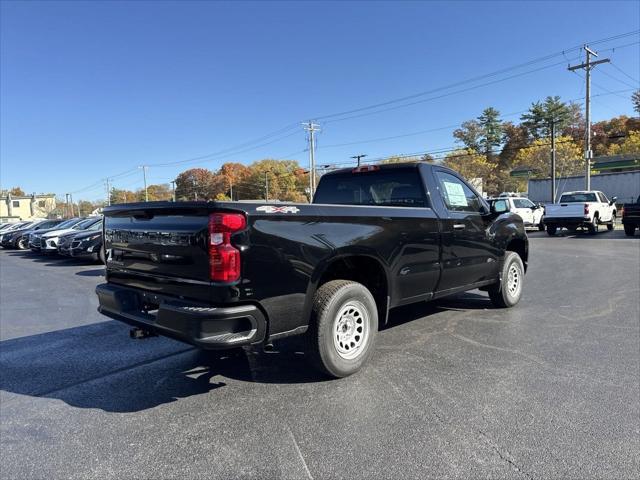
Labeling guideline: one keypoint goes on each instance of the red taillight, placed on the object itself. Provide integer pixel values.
(586, 208)
(224, 258)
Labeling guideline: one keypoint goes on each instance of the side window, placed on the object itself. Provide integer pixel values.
(520, 203)
(603, 198)
(457, 196)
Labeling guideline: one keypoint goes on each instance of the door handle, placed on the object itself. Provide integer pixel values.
(458, 226)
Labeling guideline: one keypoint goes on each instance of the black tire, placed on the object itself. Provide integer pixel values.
(594, 226)
(541, 226)
(629, 230)
(330, 300)
(101, 256)
(611, 225)
(507, 293)
(22, 243)
(551, 230)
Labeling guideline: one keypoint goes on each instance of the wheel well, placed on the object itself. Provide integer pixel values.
(517, 245)
(365, 270)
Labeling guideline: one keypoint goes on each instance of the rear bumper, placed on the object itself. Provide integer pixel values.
(635, 221)
(567, 222)
(201, 325)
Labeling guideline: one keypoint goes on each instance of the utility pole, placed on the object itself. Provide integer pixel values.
(66, 204)
(72, 207)
(195, 192)
(144, 176)
(588, 65)
(173, 190)
(108, 191)
(553, 161)
(266, 187)
(231, 189)
(312, 128)
(358, 157)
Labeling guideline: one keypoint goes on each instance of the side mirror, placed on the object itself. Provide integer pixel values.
(613, 200)
(499, 206)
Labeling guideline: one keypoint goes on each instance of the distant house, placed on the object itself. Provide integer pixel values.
(14, 208)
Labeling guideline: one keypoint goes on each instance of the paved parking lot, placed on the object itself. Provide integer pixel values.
(455, 389)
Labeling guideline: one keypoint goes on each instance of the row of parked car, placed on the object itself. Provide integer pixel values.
(76, 237)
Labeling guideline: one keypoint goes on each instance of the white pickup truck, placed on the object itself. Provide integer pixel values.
(585, 209)
(531, 213)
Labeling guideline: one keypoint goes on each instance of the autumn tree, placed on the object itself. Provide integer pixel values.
(537, 157)
(471, 164)
(232, 174)
(155, 193)
(631, 144)
(281, 177)
(17, 192)
(118, 195)
(198, 183)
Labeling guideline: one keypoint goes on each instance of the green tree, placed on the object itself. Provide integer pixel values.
(538, 118)
(118, 195)
(635, 98)
(492, 128)
(285, 180)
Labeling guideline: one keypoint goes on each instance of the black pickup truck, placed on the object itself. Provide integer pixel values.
(220, 275)
(631, 217)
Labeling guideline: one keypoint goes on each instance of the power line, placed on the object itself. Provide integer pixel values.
(635, 80)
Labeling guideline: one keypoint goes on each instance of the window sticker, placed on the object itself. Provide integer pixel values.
(455, 193)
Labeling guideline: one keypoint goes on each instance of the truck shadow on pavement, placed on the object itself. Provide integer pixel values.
(98, 366)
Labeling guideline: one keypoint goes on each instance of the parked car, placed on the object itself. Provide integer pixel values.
(20, 238)
(584, 209)
(87, 243)
(49, 241)
(219, 275)
(8, 227)
(531, 213)
(10, 237)
(35, 238)
(631, 217)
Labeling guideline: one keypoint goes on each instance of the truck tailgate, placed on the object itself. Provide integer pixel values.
(564, 210)
(159, 248)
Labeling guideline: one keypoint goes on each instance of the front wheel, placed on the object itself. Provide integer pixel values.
(612, 225)
(551, 230)
(22, 243)
(343, 327)
(629, 230)
(541, 226)
(508, 291)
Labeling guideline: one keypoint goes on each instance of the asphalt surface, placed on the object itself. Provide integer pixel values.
(548, 389)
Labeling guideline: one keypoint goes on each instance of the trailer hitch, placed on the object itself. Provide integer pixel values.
(139, 333)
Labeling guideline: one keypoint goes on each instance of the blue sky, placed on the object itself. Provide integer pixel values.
(93, 89)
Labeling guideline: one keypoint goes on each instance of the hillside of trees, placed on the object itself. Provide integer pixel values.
(488, 147)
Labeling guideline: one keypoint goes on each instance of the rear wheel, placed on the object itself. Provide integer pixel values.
(22, 243)
(594, 226)
(508, 291)
(551, 230)
(343, 327)
(629, 230)
(612, 224)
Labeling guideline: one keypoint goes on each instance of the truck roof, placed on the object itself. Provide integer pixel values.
(580, 191)
(381, 166)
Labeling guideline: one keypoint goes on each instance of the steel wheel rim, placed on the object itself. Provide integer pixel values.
(351, 329)
(514, 280)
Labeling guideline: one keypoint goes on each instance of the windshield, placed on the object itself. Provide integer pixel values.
(578, 198)
(86, 223)
(67, 224)
(95, 226)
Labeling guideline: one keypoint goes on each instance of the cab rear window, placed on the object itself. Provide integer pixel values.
(384, 187)
(578, 197)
